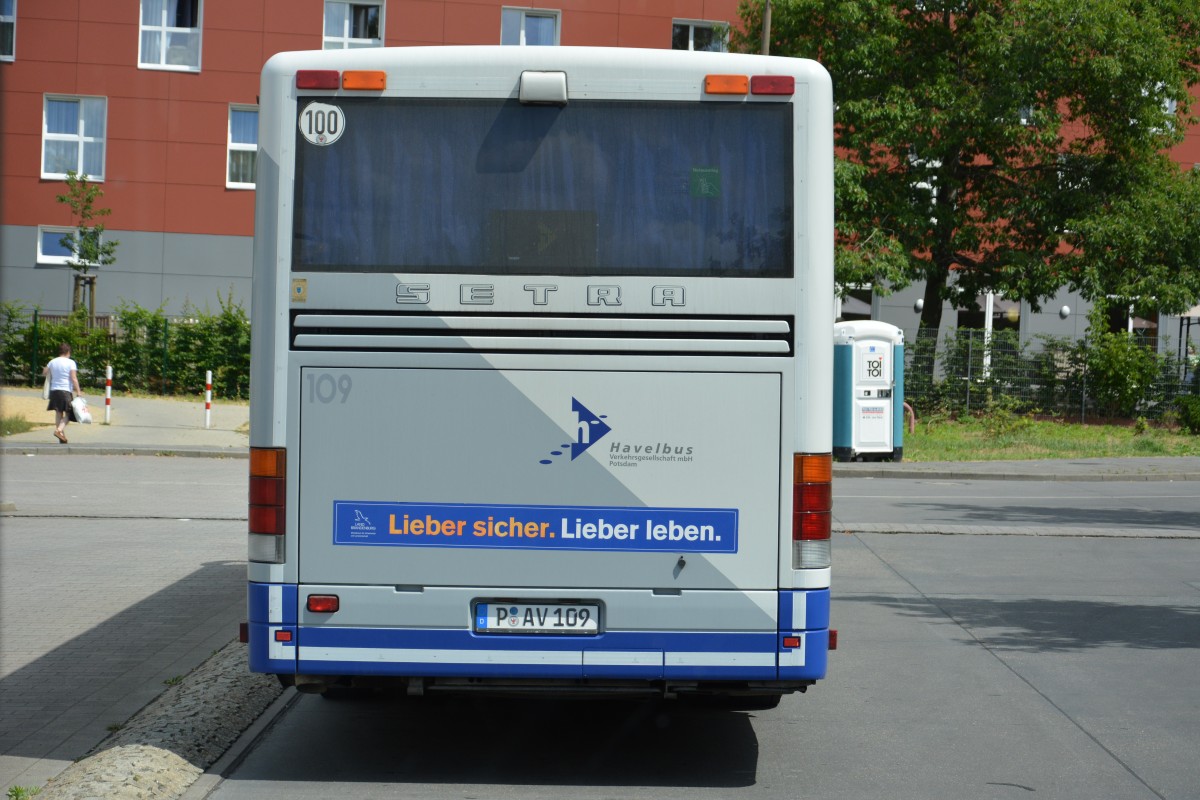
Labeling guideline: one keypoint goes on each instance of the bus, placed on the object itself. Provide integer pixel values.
(541, 372)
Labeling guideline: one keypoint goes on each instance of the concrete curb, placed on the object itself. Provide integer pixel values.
(164, 748)
(121, 450)
(212, 777)
(968, 474)
(967, 471)
(895, 529)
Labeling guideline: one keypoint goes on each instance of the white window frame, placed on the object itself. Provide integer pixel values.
(232, 147)
(10, 20)
(525, 14)
(343, 40)
(81, 136)
(716, 27)
(55, 258)
(164, 30)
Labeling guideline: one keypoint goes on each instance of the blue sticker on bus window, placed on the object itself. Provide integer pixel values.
(674, 530)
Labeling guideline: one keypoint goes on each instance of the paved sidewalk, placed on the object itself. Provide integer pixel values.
(148, 426)
(139, 426)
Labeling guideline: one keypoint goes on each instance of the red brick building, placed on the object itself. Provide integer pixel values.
(157, 100)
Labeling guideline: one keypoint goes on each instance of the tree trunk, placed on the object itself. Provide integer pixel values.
(935, 284)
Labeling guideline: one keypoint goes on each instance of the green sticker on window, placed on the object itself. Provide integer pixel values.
(706, 182)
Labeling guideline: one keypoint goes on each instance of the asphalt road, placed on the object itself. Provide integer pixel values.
(1062, 664)
(1089, 508)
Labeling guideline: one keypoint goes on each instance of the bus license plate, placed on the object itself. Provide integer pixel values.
(577, 618)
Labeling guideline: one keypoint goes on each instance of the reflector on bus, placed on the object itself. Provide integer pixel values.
(323, 603)
(772, 84)
(317, 79)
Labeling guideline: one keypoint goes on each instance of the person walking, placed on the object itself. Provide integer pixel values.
(63, 375)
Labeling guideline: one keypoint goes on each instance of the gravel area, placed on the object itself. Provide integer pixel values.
(167, 745)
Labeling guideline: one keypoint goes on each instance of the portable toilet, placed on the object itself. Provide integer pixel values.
(868, 391)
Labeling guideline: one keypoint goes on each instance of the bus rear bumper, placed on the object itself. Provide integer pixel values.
(792, 656)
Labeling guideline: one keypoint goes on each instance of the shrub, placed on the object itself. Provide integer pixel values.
(1121, 373)
(1189, 413)
(15, 354)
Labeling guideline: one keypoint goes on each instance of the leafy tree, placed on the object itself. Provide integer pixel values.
(86, 242)
(1016, 145)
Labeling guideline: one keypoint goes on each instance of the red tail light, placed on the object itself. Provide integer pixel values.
(268, 490)
(812, 506)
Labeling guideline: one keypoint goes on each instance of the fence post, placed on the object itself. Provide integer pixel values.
(108, 394)
(163, 385)
(207, 399)
(970, 359)
(1083, 397)
(33, 356)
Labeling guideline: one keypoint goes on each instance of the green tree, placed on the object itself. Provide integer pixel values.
(1016, 145)
(86, 243)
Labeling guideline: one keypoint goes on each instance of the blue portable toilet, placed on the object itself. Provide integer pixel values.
(868, 391)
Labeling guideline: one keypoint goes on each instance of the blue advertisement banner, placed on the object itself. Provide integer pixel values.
(674, 530)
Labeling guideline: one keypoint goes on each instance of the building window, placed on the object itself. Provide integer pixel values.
(73, 137)
(51, 249)
(8, 30)
(705, 36)
(856, 304)
(526, 26)
(351, 25)
(170, 35)
(243, 147)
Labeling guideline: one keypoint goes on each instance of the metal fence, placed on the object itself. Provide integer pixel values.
(962, 372)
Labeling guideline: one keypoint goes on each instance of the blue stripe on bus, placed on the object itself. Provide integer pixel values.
(816, 658)
(816, 610)
(596, 653)
(259, 602)
(677, 641)
(459, 653)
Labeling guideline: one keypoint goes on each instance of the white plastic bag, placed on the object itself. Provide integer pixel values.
(80, 409)
(46, 389)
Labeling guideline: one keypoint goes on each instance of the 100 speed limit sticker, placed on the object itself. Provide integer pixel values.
(321, 123)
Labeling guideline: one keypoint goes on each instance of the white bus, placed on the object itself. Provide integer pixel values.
(542, 364)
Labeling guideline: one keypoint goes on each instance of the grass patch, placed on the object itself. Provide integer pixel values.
(1022, 438)
(17, 424)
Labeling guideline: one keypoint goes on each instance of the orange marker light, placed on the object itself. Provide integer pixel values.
(726, 84)
(370, 79)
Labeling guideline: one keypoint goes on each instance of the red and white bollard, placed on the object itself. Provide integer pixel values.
(108, 394)
(208, 399)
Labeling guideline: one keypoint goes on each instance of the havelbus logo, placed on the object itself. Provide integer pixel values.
(589, 429)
